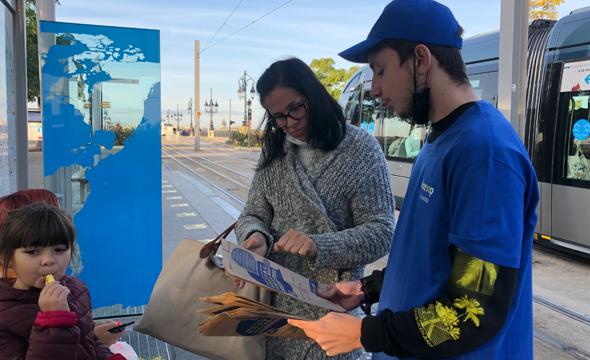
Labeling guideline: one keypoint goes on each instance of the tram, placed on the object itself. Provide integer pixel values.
(556, 121)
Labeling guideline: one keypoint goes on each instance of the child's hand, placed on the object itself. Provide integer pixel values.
(101, 329)
(54, 297)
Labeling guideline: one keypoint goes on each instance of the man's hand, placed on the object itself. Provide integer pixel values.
(257, 244)
(344, 294)
(296, 243)
(335, 333)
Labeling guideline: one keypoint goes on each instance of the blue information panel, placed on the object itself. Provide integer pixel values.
(101, 143)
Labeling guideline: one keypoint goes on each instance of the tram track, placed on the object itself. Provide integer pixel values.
(224, 148)
(538, 333)
(211, 183)
(210, 161)
(176, 154)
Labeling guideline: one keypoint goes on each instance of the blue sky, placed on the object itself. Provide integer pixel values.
(303, 28)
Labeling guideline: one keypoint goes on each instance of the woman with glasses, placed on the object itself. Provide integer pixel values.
(323, 191)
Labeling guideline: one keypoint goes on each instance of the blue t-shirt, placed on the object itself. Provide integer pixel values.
(474, 188)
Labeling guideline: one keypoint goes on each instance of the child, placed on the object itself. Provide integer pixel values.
(17, 200)
(39, 321)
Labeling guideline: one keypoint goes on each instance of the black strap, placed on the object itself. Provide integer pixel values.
(212, 246)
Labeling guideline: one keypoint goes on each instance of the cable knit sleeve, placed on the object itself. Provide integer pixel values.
(256, 204)
(373, 213)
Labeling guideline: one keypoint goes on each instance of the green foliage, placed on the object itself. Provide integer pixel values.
(121, 133)
(33, 85)
(544, 9)
(333, 79)
(238, 138)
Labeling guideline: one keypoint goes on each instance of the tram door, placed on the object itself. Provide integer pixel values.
(570, 193)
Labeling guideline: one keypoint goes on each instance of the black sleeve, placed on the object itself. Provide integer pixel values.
(372, 285)
(470, 312)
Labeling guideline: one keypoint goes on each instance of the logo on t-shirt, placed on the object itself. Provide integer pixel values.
(429, 190)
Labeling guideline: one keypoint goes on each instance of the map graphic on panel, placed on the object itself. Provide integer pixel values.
(101, 131)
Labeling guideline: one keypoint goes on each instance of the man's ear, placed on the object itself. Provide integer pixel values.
(422, 59)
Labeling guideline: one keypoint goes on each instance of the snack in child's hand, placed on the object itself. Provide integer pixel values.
(49, 279)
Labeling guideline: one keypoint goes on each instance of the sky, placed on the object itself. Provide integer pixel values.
(307, 29)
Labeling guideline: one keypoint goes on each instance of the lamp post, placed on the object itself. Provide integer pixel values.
(190, 114)
(198, 136)
(168, 116)
(178, 118)
(242, 94)
(211, 109)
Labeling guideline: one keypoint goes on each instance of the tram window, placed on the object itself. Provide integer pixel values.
(368, 75)
(401, 138)
(353, 83)
(577, 140)
(491, 94)
(351, 110)
(478, 83)
(370, 112)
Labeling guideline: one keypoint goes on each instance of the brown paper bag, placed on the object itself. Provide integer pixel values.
(172, 314)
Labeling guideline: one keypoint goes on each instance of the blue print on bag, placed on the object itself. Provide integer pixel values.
(262, 271)
(260, 326)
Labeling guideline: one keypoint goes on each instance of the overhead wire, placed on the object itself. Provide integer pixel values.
(265, 15)
(205, 48)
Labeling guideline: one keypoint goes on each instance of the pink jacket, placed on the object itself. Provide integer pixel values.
(26, 333)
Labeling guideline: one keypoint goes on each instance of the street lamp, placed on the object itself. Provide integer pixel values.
(190, 113)
(211, 109)
(168, 116)
(242, 94)
(178, 118)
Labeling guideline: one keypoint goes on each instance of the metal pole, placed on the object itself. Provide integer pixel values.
(197, 96)
(513, 55)
(211, 112)
(229, 120)
(245, 107)
(20, 98)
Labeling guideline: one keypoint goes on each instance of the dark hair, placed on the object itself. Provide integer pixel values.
(326, 122)
(35, 225)
(448, 57)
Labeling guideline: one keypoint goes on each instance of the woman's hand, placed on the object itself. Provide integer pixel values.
(54, 297)
(257, 244)
(296, 243)
(101, 329)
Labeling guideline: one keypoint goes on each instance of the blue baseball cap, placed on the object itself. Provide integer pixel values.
(424, 21)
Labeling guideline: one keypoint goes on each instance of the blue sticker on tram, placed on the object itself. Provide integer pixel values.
(371, 127)
(581, 129)
(364, 125)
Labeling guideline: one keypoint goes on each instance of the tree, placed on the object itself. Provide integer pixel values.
(333, 79)
(544, 9)
(33, 86)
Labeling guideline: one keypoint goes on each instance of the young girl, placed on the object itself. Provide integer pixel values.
(17, 200)
(39, 321)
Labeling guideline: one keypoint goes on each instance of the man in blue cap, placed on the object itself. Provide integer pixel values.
(458, 282)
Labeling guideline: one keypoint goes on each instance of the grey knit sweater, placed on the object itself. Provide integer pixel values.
(343, 202)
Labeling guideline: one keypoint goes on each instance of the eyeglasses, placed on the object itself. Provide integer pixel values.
(297, 113)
